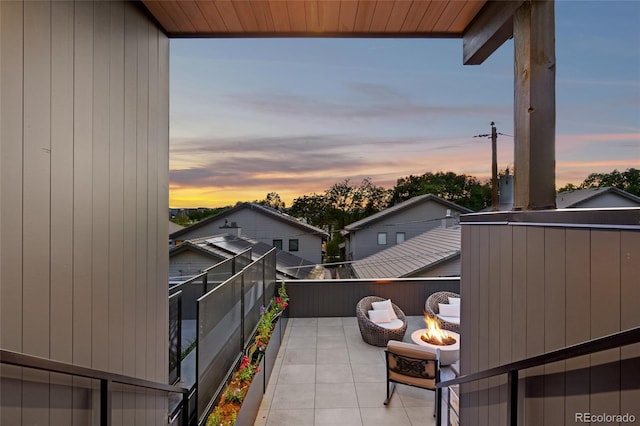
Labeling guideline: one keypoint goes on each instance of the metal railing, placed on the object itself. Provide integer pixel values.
(227, 318)
(183, 305)
(106, 380)
(616, 340)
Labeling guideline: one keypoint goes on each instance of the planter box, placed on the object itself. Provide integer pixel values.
(271, 353)
(251, 404)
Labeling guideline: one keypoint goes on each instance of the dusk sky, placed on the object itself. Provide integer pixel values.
(294, 116)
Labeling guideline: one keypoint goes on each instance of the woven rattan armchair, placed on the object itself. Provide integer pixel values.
(371, 332)
(431, 308)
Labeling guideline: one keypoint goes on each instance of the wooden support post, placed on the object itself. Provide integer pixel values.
(535, 105)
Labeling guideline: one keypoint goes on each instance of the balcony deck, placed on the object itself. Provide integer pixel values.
(325, 374)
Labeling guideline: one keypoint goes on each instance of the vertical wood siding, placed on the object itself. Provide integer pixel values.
(531, 289)
(84, 195)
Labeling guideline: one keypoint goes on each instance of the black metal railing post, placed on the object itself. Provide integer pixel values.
(204, 283)
(105, 402)
(512, 405)
(242, 336)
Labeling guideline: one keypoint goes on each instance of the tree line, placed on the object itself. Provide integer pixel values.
(346, 202)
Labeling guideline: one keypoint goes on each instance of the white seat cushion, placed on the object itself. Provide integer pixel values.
(393, 325)
(454, 320)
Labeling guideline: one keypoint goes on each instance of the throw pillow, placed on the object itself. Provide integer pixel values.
(385, 305)
(449, 310)
(379, 316)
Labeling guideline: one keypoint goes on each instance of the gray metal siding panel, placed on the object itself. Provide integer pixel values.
(561, 283)
(630, 317)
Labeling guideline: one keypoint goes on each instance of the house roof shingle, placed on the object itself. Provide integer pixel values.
(224, 245)
(412, 256)
(268, 211)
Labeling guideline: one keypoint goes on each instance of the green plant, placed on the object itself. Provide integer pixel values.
(234, 395)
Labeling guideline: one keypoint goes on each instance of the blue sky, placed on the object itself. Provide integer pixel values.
(294, 116)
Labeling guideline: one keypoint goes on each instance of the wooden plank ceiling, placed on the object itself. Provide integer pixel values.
(315, 18)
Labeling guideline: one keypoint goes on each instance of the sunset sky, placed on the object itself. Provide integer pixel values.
(294, 116)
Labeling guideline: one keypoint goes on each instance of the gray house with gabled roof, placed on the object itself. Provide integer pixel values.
(398, 223)
(193, 256)
(263, 224)
(435, 253)
(603, 197)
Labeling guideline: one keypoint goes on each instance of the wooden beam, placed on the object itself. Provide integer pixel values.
(492, 27)
(534, 106)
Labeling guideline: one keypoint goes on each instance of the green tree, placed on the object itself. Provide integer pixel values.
(272, 200)
(464, 190)
(629, 180)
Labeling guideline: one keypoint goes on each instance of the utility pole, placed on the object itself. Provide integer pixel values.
(494, 165)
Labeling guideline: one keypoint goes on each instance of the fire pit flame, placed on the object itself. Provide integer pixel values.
(434, 334)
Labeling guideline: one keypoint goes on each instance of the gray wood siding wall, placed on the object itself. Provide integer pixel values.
(84, 196)
(530, 289)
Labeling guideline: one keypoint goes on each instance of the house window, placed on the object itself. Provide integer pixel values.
(293, 245)
(277, 244)
(400, 237)
(382, 238)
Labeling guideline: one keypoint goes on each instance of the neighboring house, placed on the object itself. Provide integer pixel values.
(397, 224)
(435, 253)
(193, 256)
(590, 198)
(603, 197)
(263, 224)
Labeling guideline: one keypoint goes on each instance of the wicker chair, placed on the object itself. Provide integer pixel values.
(431, 308)
(371, 332)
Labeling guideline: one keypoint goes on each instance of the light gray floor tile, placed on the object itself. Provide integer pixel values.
(331, 342)
(333, 321)
(422, 416)
(373, 394)
(384, 416)
(297, 373)
(338, 416)
(335, 395)
(303, 322)
(334, 373)
(301, 331)
(359, 356)
(299, 356)
(375, 372)
(349, 321)
(302, 342)
(415, 397)
(293, 396)
(332, 356)
(329, 330)
(301, 417)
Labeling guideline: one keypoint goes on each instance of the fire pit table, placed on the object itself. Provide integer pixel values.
(449, 354)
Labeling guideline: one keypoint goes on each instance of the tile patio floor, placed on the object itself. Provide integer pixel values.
(325, 374)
